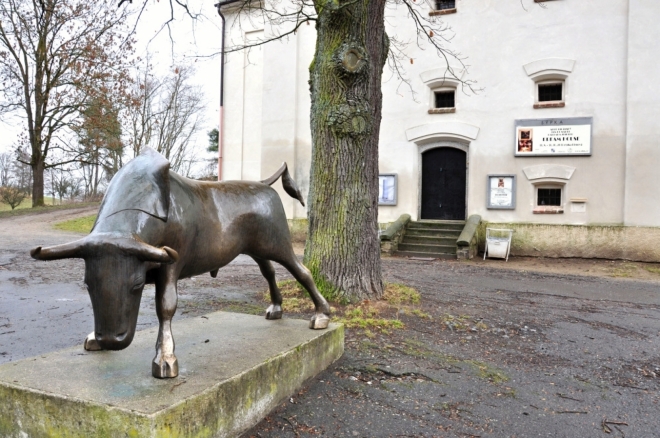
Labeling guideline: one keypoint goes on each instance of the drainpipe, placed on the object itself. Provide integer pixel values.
(222, 85)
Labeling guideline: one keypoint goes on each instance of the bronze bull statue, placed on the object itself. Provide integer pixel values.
(156, 227)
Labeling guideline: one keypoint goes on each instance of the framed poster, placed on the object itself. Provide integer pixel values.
(387, 188)
(548, 137)
(501, 192)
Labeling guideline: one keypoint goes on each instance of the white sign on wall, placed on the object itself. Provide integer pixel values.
(568, 136)
(387, 188)
(501, 192)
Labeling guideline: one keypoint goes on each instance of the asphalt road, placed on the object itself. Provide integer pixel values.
(555, 355)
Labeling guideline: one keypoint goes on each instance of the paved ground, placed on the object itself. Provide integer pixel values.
(529, 350)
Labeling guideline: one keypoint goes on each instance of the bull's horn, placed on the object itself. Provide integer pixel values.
(65, 251)
(149, 253)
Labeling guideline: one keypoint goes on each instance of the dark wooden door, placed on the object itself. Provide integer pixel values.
(443, 184)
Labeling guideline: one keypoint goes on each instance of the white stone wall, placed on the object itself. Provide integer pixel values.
(613, 79)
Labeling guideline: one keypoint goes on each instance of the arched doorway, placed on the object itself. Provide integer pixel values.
(444, 178)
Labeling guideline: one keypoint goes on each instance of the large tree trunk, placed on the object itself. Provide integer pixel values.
(38, 182)
(343, 248)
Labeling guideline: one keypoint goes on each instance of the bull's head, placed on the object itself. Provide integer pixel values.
(115, 274)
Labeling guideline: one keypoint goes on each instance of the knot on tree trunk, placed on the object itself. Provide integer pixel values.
(351, 60)
(352, 119)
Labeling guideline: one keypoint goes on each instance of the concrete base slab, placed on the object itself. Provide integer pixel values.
(233, 370)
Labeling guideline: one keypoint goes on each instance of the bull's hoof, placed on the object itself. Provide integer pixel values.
(165, 367)
(319, 321)
(274, 311)
(91, 344)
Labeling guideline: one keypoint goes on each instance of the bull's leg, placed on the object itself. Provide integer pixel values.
(165, 363)
(321, 317)
(91, 344)
(274, 311)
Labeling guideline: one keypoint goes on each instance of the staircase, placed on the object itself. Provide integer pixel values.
(435, 239)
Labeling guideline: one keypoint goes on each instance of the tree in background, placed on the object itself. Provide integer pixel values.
(12, 195)
(211, 171)
(55, 56)
(165, 115)
(6, 163)
(213, 140)
(61, 183)
(101, 148)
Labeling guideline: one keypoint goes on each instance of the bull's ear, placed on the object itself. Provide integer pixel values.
(66, 251)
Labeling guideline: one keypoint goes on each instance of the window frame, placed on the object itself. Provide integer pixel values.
(549, 103)
(549, 209)
(443, 110)
(444, 11)
(538, 196)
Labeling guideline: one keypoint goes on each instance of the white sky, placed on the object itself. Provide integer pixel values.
(191, 42)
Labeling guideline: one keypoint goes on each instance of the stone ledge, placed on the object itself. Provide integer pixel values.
(442, 110)
(548, 209)
(442, 12)
(549, 105)
(234, 369)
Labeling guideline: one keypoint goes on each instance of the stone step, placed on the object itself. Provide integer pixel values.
(425, 255)
(234, 369)
(437, 225)
(427, 248)
(430, 240)
(432, 233)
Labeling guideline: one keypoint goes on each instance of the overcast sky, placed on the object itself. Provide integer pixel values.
(190, 42)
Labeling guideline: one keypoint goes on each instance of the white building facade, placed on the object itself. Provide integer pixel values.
(560, 141)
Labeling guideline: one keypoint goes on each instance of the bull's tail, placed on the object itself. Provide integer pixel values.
(287, 182)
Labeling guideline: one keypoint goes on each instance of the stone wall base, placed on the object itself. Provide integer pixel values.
(585, 241)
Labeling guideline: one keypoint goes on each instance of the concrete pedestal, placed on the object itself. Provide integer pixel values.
(234, 369)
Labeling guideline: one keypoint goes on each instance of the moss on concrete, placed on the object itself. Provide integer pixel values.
(611, 241)
(225, 408)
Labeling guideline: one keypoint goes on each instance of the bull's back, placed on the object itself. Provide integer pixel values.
(224, 219)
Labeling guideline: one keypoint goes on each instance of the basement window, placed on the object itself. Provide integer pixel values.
(548, 197)
(443, 7)
(549, 200)
(550, 94)
(444, 101)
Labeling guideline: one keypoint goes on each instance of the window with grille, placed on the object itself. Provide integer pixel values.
(444, 99)
(445, 4)
(550, 92)
(549, 197)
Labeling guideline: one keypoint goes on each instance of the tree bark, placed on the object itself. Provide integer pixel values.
(38, 167)
(343, 247)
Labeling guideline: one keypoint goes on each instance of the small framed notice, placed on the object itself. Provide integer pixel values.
(501, 192)
(387, 188)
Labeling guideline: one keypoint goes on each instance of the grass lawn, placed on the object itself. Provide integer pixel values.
(27, 203)
(25, 209)
(80, 225)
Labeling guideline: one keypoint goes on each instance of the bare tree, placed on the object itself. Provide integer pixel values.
(61, 183)
(6, 164)
(165, 115)
(21, 171)
(55, 55)
(141, 106)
